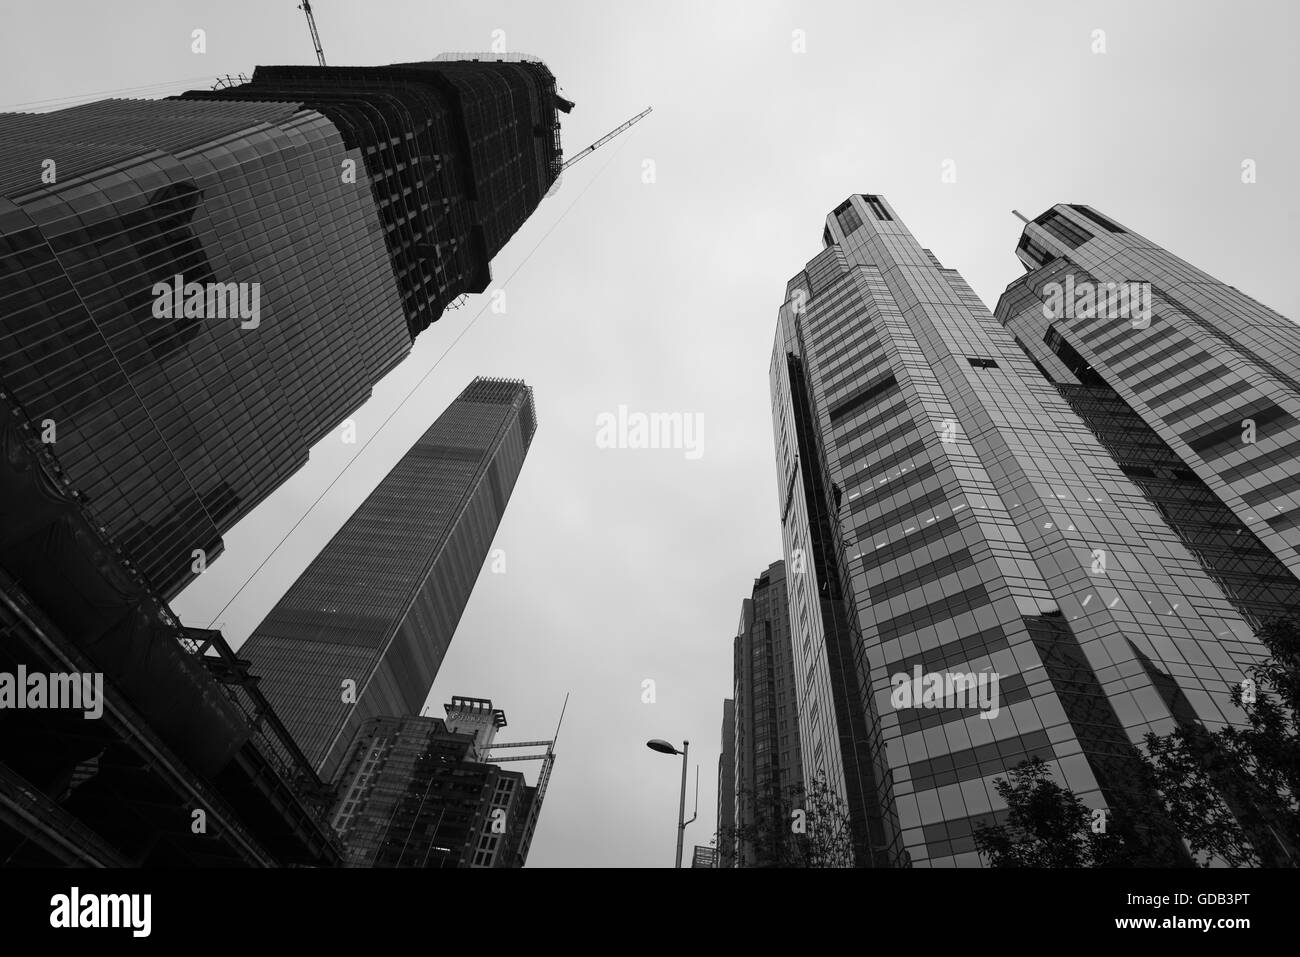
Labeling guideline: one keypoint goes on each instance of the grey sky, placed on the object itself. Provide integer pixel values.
(625, 564)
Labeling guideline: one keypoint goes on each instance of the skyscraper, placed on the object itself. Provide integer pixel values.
(983, 583)
(421, 792)
(457, 153)
(321, 218)
(767, 760)
(1189, 383)
(363, 630)
(727, 787)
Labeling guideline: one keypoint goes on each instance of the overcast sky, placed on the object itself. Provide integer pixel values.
(624, 564)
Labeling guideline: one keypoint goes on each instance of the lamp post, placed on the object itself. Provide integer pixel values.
(663, 747)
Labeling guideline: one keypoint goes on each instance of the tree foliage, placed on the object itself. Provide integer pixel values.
(1233, 793)
(799, 826)
(1049, 826)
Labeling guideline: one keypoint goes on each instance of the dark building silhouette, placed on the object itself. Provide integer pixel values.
(961, 523)
(422, 792)
(768, 766)
(179, 761)
(363, 631)
(727, 787)
(350, 205)
(457, 153)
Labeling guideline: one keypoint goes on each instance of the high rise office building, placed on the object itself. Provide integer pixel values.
(457, 154)
(421, 792)
(1190, 384)
(983, 583)
(320, 216)
(768, 767)
(727, 787)
(364, 629)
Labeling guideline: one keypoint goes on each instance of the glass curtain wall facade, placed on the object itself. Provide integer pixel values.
(171, 428)
(352, 205)
(377, 608)
(971, 525)
(1198, 399)
(457, 155)
(766, 753)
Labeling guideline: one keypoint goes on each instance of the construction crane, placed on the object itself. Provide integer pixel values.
(305, 7)
(547, 757)
(604, 139)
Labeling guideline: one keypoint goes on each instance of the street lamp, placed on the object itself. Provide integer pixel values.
(663, 747)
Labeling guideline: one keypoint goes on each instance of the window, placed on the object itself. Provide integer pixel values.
(1064, 230)
(847, 217)
(1035, 252)
(861, 396)
(1226, 435)
(1077, 365)
(981, 363)
(1097, 218)
(877, 208)
(1137, 471)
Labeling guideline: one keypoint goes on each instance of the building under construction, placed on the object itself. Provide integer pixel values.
(457, 155)
(126, 463)
(426, 792)
(355, 204)
(363, 201)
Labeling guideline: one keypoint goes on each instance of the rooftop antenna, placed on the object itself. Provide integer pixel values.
(1020, 216)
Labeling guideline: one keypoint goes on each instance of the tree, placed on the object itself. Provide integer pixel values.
(1233, 793)
(1049, 826)
(801, 826)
